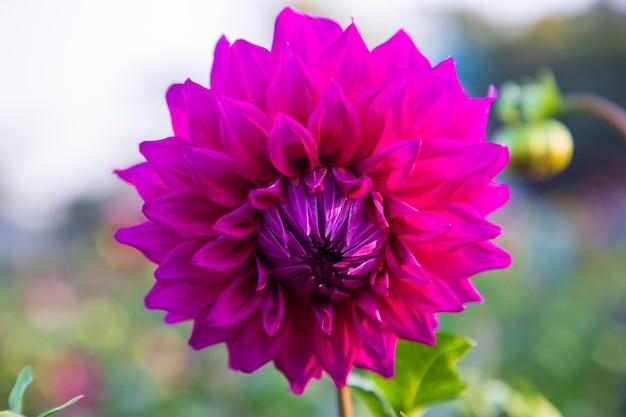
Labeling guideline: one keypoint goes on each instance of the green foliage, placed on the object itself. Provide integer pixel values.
(495, 398)
(16, 397)
(59, 408)
(424, 375)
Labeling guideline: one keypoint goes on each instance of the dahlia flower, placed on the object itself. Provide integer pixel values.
(318, 201)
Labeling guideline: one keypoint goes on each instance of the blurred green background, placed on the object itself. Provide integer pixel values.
(71, 299)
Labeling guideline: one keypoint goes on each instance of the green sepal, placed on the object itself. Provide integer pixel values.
(59, 408)
(541, 98)
(424, 375)
(16, 397)
(530, 101)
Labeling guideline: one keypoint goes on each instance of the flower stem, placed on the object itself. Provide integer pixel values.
(595, 106)
(344, 401)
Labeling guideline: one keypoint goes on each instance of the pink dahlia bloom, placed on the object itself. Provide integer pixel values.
(319, 201)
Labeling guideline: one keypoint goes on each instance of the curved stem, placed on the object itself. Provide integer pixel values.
(344, 401)
(596, 106)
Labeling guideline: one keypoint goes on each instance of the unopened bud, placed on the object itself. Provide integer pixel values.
(538, 150)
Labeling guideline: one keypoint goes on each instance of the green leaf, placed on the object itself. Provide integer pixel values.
(424, 375)
(365, 389)
(24, 379)
(9, 414)
(61, 407)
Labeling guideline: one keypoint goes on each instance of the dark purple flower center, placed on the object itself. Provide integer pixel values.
(318, 242)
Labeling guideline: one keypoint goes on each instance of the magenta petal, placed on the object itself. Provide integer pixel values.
(273, 309)
(184, 299)
(465, 226)
(218, 175)
(450, 170)
(173, 318)
(407, 322)
(470, 118)
(337, 351)
(204, 335)
(263, 271)
(305, 35)
(368, 323)
(461, 289)
(145, 179)
(402, 263)
(235, 303)
(177, 104)
(379, 282)
(315, 179)
(433, 100)
(347, 60)
(490, 198)
(432, 297)
(166, 159)
(467, 261)
(220, 66)
(336, 126)
(185, 211)
(418, 228)
(177, 266)
(383, 110)
(381, 364)
(324, 314)
(203, 116)
(291, 147)
(413, 225)
(153, 240)
(295, 91)
(298, 363)
(397, 53)
(254, 348)
(266, 197)
(390, 167)
(375, 210)
(244, 130)
(250, 71)
(350, 186)
(239, 223)
(224, 254)
(275, 236)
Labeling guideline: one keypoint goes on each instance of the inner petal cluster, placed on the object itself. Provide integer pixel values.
(318, 242)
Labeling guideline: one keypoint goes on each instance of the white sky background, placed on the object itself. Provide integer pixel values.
(83, 82)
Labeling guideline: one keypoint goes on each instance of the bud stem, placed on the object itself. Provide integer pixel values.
(595, 106)
(344, 401)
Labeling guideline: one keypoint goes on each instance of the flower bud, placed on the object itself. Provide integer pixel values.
(539, 150)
